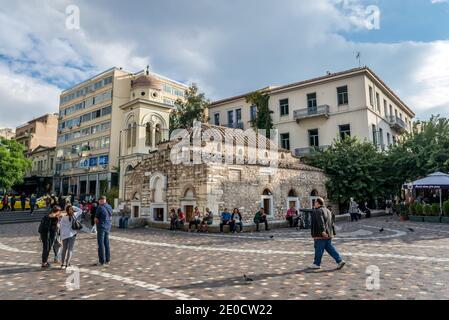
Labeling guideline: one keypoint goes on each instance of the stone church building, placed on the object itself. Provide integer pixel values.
(207, 166)
(157, 183)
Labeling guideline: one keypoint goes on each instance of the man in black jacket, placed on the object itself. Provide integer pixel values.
(323, 230)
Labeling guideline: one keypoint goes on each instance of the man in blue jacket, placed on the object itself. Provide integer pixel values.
(103, 221)
(225, 219)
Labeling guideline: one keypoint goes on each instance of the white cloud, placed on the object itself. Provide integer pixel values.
(23, 98)
(227, 47)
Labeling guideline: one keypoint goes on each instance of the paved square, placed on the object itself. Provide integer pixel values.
(159, 264)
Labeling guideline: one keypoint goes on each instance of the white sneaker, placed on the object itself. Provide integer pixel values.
(314, 267)
(341, 265)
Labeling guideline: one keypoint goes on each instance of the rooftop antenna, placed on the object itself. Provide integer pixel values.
(359, 56)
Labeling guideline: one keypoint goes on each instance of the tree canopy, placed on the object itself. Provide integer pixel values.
(13, 163)
(363, 171)
(193, 107)
(354, 169)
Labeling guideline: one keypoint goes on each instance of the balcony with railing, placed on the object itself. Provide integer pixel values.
(397, 123)
(319, 111)
(301, 152)
(238, 125)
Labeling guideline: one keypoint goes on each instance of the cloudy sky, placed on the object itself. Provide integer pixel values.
(226, 46)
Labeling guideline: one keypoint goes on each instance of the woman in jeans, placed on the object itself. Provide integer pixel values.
(68, 235)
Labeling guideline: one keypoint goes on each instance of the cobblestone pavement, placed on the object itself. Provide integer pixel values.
(159, 264)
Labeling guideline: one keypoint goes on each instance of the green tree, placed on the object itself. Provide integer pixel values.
(112, 194)
(418, 153)
(13, 163)
(354, 169)
(193, 107)
(262, 119)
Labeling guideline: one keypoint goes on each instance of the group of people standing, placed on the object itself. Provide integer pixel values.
(59, 228)
(9, 202)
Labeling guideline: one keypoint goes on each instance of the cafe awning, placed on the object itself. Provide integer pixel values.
(437, 180)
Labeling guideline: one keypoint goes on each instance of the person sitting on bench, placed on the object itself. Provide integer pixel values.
(208, 219)
(196, 219)
(225, 219)
(292, 216)
(181, 219)
(173, 219)
(261, 217)
(236, 220)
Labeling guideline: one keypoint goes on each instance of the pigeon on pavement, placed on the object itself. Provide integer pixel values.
(247, 278)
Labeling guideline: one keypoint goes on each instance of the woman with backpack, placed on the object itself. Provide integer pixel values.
(47, 230)
(69, 228)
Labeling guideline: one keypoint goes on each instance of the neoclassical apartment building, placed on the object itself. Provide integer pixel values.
(108, 118)
(310, 114)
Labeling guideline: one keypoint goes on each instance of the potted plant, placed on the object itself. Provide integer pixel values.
(432, 213)
(418, 213)
(445, 217)
(403, 210)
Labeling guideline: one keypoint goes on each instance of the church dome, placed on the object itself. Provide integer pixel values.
(147, 81)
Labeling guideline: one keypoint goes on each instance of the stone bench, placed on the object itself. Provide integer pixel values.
(215, 227)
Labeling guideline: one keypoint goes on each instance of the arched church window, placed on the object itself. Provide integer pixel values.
(158, 134)
(134, 134)
(148, 135)
(128, 135)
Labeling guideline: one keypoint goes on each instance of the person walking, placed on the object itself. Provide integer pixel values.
(23, 200)
(47, 230)
(68, 234)
(13, 202)
(93, 211)
(323, 230)
(5, 202)
(103, 221)
(32, 203)
(353, 210)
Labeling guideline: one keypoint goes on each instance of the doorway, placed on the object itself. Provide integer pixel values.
(135, 211)
(189, 213)
(158, 214)
(267, 205)
(267, 202)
